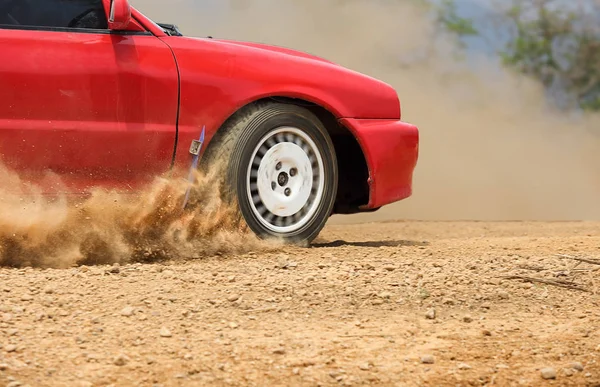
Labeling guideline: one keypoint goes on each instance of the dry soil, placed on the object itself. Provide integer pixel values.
(397, 303)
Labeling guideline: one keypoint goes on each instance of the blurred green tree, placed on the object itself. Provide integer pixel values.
(555, 41)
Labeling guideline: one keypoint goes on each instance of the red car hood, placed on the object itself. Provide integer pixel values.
(354, 94)
(278, 49)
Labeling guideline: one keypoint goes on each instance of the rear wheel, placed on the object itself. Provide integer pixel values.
(279, 168)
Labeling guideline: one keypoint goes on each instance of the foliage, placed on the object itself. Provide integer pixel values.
(555, 41)
(448, 17)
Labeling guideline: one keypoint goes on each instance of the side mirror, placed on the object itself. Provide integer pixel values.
(119, 15)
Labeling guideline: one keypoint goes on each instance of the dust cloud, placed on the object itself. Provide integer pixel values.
(491, 149)
(108, 227)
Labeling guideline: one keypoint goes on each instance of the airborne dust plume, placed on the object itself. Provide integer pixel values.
(490, 147)
(110, 227)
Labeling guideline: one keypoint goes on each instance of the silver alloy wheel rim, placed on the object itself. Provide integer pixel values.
(285, 180)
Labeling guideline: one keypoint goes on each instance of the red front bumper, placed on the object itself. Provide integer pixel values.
(391, 149)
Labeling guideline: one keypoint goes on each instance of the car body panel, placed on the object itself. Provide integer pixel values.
(391, 148)
(87, 105)
(115, 109)
(219, 77)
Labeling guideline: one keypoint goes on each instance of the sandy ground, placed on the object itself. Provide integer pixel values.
(400, 304)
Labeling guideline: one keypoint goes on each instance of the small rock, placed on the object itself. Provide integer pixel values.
(283, 261)
(503, 295)
(233, 325)
(233, 298)
(164, 332)
(279, 351)
(389, 268)
(548, 373)
(127, 311)
(430, 314)
(364, 367)
(569, 372)
(92, 357)
(121, 360)
(14, 383)
(485, 332)
(577, 366)
(10, 348)
(427, 359)
(115, 269)
(468, 319)
(26, 297)
(3, 366)
(304, 363)
(464, 366)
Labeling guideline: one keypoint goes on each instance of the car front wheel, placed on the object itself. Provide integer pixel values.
(279, 169)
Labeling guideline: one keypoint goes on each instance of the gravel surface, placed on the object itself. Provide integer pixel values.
(399, 303)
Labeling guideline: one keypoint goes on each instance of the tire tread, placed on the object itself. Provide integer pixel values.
(227, 148)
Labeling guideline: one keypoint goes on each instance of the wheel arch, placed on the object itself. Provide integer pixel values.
(353, 170)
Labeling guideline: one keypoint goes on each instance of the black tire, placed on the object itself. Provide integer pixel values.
(233, 149)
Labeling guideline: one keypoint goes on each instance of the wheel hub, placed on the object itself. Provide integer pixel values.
(290, 194)
(286, 179)
(283, 179)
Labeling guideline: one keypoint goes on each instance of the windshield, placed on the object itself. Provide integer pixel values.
(170, 29)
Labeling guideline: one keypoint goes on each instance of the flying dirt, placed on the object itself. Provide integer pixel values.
(110, 227)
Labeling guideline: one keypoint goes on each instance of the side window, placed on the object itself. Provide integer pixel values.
(87, 14)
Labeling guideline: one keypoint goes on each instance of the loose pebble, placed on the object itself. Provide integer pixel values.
(427, 359)
(548, 373)
(165, 332)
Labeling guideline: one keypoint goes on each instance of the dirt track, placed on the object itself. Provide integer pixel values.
(352, 312)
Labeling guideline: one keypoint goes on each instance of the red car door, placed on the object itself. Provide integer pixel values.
(92, 106)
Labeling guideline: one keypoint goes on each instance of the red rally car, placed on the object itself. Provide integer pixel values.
(102, 96)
